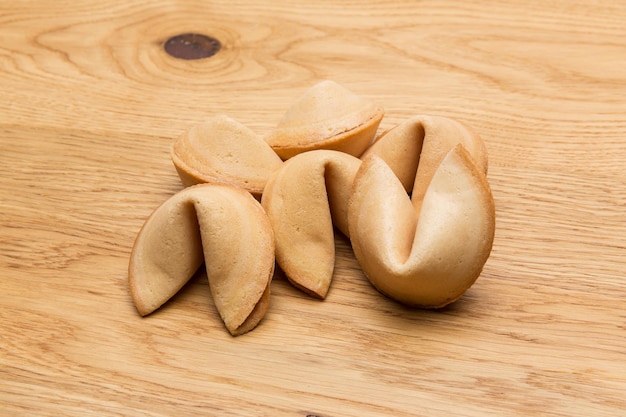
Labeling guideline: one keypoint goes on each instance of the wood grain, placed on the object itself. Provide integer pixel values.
(90, 104)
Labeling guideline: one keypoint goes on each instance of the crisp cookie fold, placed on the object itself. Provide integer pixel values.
(303, 200)
(221, 225)
(415, 148)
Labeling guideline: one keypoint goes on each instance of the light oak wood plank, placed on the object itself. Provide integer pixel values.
(90, 104)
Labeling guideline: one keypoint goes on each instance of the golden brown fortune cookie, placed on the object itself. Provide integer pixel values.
(327, 116)
(222, 150)
(303, 200)
(221, 225)
(428, 249)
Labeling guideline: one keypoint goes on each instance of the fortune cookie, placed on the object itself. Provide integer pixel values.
(428, 249)
(221, 225)
(222, 150)
(327, 116)
(303, 200)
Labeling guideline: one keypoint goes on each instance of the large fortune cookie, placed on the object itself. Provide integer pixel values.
(428, 249)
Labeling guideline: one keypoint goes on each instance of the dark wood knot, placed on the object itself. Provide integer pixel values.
(192, 46)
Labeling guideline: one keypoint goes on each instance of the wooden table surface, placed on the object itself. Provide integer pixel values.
(90, 104)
